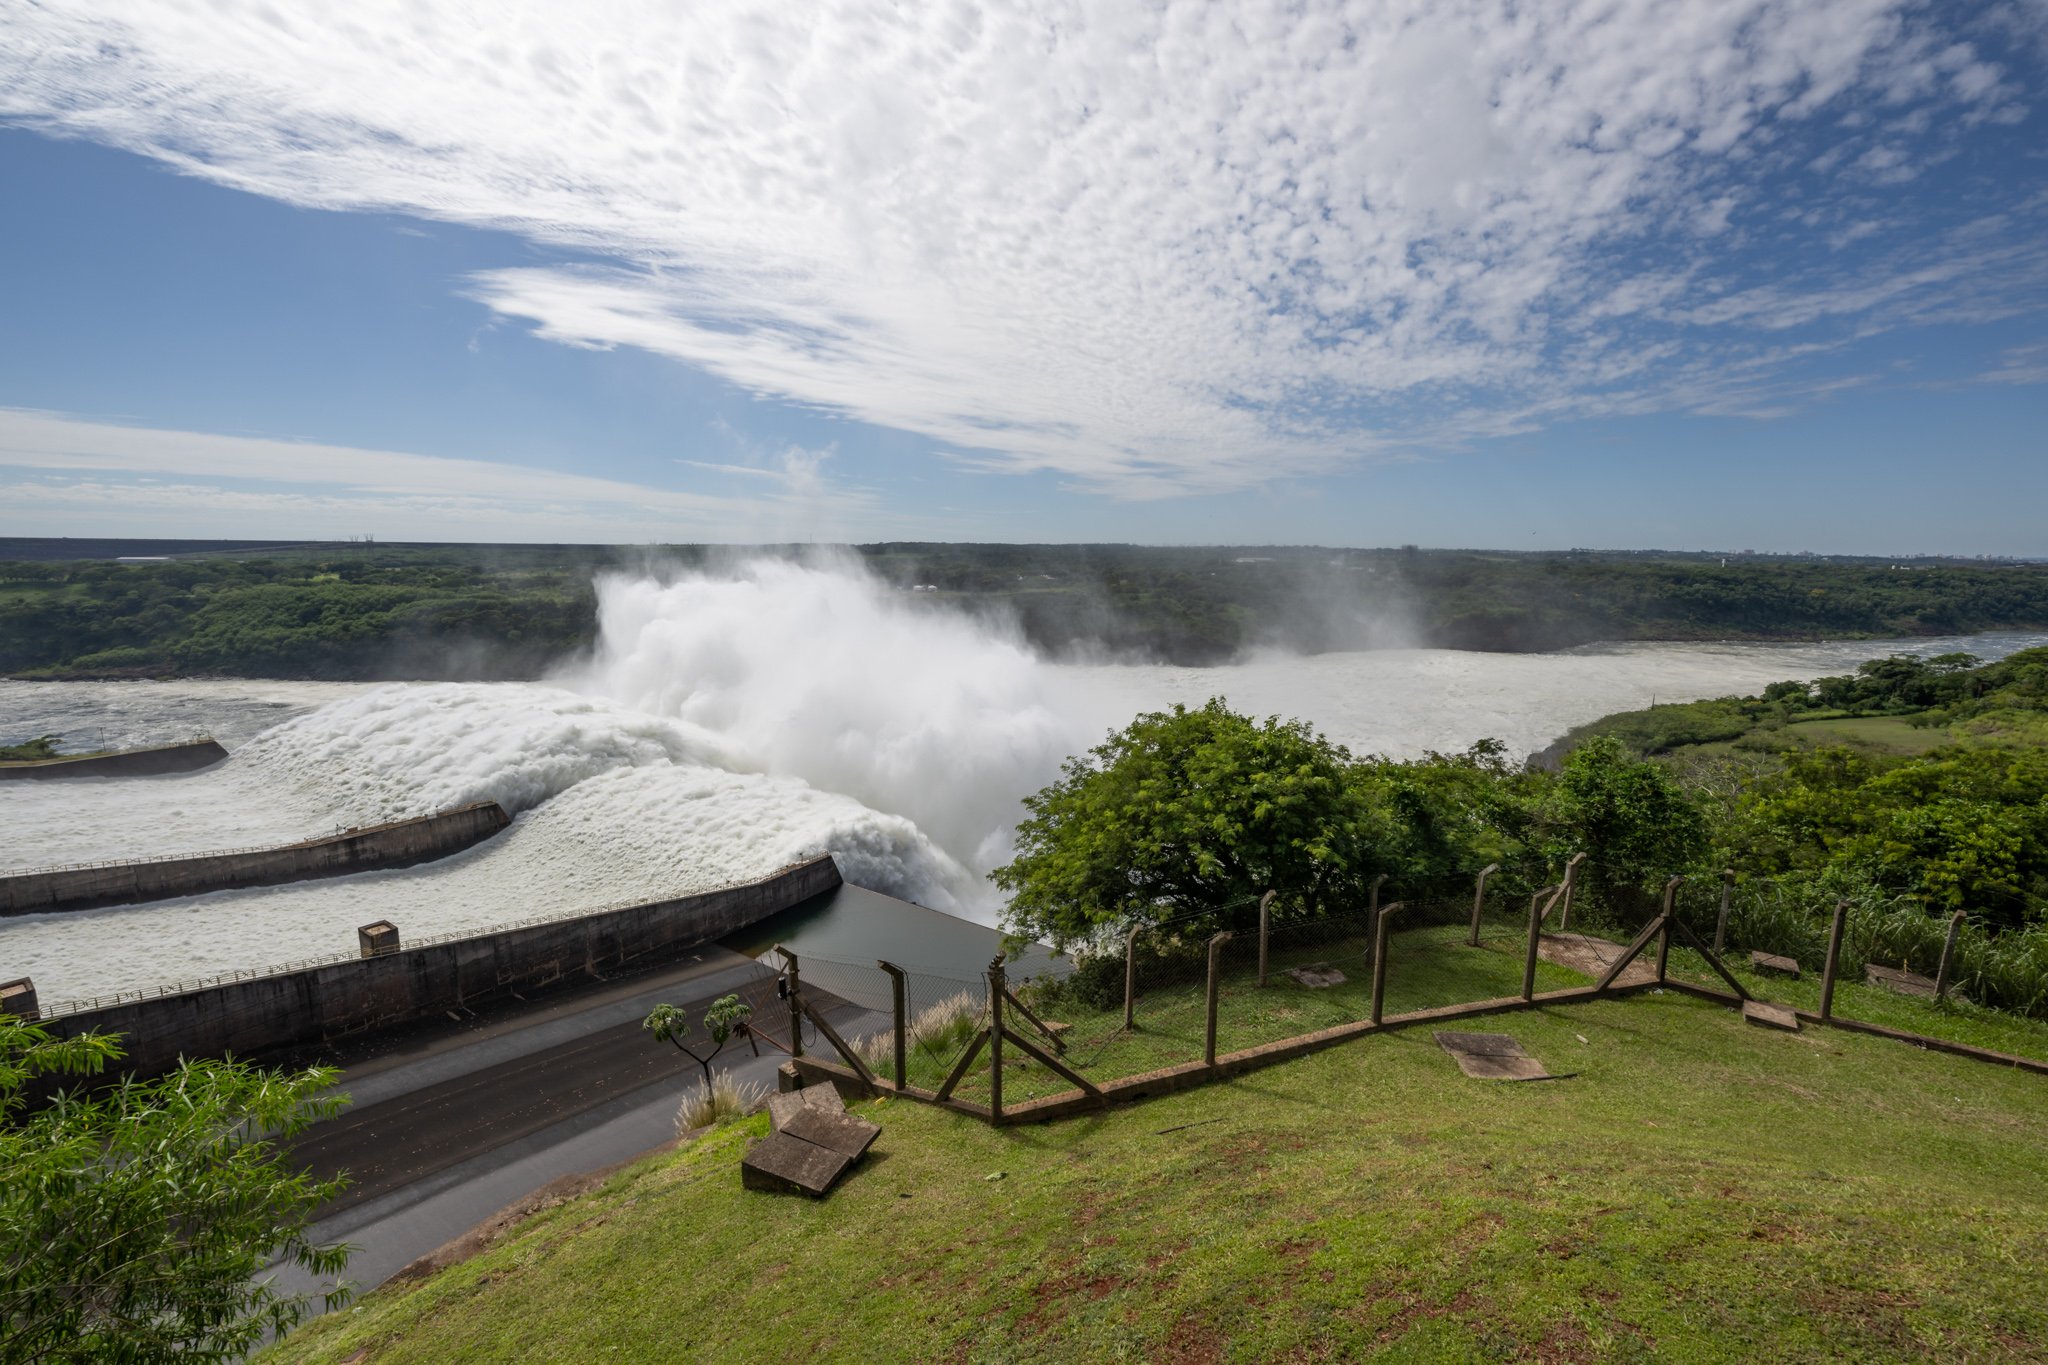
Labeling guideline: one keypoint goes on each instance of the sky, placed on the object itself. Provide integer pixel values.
(1703, 274)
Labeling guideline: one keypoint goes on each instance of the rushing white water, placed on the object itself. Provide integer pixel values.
(728, 723)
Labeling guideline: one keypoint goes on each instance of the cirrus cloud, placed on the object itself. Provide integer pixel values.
(1183, 247)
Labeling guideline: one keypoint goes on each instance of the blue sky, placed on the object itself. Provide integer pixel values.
(1715, 275)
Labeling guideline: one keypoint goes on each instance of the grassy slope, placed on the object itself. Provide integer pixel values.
(1702, 1190)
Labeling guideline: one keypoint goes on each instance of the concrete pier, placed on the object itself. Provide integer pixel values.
(166, 758)
(398, 844)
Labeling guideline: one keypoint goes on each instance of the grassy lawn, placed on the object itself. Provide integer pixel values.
(1700, 1191)
(1952, 1020)
(1425, 968)
(1886, 734)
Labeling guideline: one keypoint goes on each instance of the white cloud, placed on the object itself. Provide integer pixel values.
(1182, 247)
(101, 472)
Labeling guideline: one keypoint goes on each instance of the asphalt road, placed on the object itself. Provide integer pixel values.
(448, 1129)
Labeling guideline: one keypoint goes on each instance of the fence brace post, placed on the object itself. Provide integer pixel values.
(1379, 960)
(1479, 902)
(1209, 1030)
(896, 999)
(996, 986)
(796, 1003)
(1827, 971)
(1535, 939)
(1664, 938)
(1131, 976)
(1265, 929)
(1372, 909)
(1571, 886)
(1948, 954)
(1721, 920)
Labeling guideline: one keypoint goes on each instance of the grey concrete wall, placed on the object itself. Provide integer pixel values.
(168, 758)
(301, 1009)
(399, 844)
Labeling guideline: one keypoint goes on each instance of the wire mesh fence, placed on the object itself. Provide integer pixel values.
(1200, 988)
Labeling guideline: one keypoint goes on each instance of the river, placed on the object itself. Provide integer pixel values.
(723, 728)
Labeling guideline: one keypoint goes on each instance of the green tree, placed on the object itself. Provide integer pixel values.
(727, 1016)
(1186, 811)
(1628, 815)
(136, 1218)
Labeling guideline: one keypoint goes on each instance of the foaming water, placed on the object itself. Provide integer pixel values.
(821, 673)
(728, 723)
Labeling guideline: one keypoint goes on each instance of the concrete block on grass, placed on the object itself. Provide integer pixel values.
(783, 1164)
(1766, 1015)
(1772, 964)
(783, 1107)
(840, 1132)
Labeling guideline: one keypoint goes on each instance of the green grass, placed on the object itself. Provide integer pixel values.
(1426, 968)
(1954, 1021)
(1885, 734)
(1701, 1191)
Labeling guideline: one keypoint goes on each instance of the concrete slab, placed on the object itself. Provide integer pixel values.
(1481, 1044)
(841, 1132)
(1317, 978)
(1481, 1067)
(1490, 1056)
(784, 1107)
(1905, 983)
(1774, 964)
(782, 1164)
(1765, 1015)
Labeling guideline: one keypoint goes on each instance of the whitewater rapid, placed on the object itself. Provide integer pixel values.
(727, 724)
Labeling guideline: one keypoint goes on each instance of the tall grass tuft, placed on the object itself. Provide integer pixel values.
(2008, 970)
(723, 1101)
(940, 1029)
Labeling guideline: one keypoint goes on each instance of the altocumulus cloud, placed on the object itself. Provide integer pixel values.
(1158, 248)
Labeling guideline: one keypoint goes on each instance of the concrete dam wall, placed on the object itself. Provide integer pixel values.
(295, 1011)
(168, 758)
(399, 844)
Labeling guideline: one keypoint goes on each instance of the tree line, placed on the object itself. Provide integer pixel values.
(490, 612)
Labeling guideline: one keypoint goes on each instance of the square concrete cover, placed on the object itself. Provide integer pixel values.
(784, 1164)
(842, 1132)
(783, 1107)
(1490, 1056)
(1766, 1015)
(1317, 978)
(1771, 962)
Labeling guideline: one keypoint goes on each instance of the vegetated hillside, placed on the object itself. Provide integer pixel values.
(449, 611)
(1699, 1190)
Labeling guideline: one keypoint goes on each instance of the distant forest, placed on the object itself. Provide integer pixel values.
(69, 609)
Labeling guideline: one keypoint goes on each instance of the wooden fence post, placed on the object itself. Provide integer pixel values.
(1131, 976)
(794, 983)
(1571, 886)
(1479, 902)
(1379, 961)
(1535, 939)
(1721, 920)
(1948, 954)
(996, 987)
(1372, 910)
(1669, 913)
(1827, 971)
(1209, 1033)
(1265, 929)
(896, 999)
